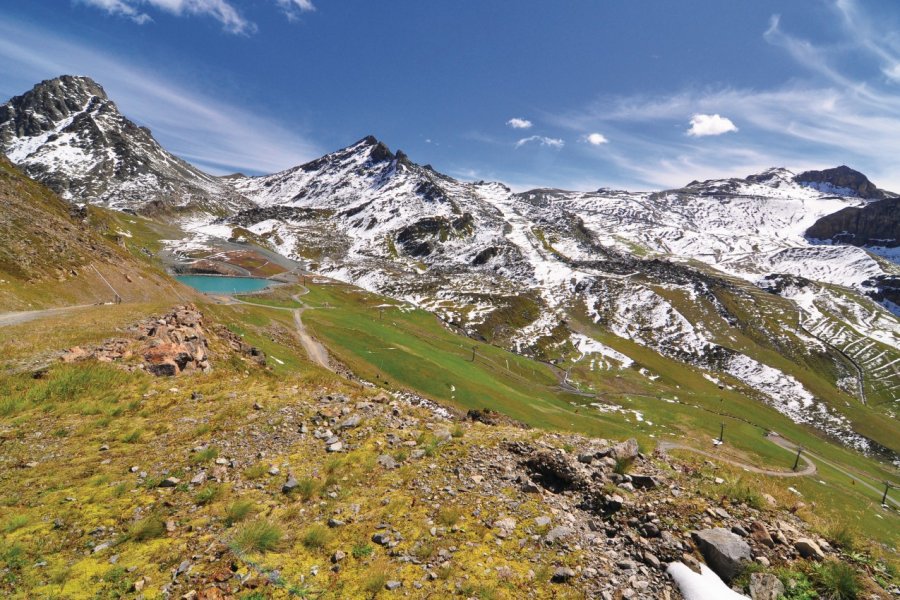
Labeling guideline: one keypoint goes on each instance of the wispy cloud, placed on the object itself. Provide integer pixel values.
(517, 123)
(293, 8)
(196, 126)
(542, 140)
(705, 125)
(222, 11)
(829, 118)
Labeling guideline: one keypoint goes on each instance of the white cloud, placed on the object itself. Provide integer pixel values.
(222, 11)
(517, 123)
(195, 125)
(596, 139)
(703, 125)
(292, 8)
(542, 140)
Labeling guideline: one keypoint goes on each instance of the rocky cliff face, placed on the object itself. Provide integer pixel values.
(840, 180)
(876, 224)
(67, 134)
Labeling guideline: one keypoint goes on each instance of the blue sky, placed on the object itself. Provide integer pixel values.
(573, 94)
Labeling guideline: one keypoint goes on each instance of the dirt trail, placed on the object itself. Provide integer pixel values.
(15, 318)
(316, 351)
(809, 469)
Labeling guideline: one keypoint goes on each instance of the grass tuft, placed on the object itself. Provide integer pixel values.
(15, 522)
(238, 511)
(258, 536)
(316, 537)
(208, 494)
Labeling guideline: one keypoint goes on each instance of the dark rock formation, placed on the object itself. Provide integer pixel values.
(842, 177)
(875, 224)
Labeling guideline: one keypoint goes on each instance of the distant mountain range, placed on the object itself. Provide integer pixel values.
(762, 279)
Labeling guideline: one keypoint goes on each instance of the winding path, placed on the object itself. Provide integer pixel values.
(316, 352)
(809, 469)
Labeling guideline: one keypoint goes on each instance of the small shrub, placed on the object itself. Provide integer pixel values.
(119, 490)
(362, 550)
(238, 511)
(256, 471)
(146, 529)
(739, 492)
(622, 466)
(316, 537)
(307, 488)
(842, 536)
(375, 580)
(423, 550)
(205, 455)
(836, 580)
(449, 516)
(457, 431)
(15, 522)
(133, 437)
(797, 586)
(431, 448)
(208, 494)
(258, 536)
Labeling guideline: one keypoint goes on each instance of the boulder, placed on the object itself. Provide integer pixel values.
(809, 549)
(644, 482)
(562, 575)
(725, 552)
(760, 534)
(557, 534)
(765, 586)
(504, 527)
(627, 450)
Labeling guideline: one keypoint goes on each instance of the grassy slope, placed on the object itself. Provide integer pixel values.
(61, 421)
(393, 351)
(48, 258)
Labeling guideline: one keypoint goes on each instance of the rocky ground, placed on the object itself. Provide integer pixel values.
(229, 482)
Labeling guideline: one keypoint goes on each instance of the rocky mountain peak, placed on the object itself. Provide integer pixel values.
(67, 133)
(47, 103)
(841, 180)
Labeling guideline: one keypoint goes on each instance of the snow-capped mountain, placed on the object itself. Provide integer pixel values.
(67, 134)
(719, 275)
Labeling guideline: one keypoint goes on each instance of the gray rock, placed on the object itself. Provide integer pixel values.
(504, 527)
(351, 421)
(338, 556)
(627, 450)
(557, 534)
(392, 585)
(562, 575)
(335, 447)
(169, 482)
(725, 552)
(765, 586)
(382, 539)
(738, 530)
(387, 461)
(290, 485)
(644, 482)
(809, 549)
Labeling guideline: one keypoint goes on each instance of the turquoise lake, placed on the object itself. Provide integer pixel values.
(223, 285)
